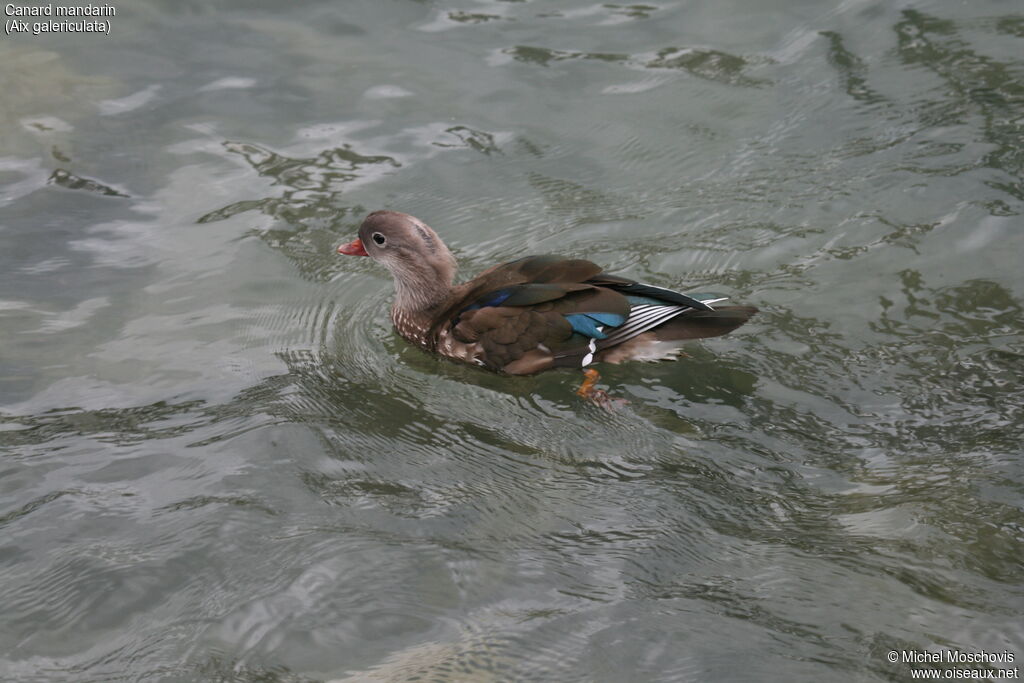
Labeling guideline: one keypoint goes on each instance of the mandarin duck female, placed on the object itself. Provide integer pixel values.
(535, 313)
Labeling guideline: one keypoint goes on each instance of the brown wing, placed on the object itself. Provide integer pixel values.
(523, 339)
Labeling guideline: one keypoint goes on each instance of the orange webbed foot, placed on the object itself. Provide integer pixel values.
(598, 397)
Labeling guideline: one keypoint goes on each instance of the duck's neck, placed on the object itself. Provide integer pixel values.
(420, 298)
(421, 292)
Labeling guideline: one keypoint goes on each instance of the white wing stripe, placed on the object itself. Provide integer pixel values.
(641, 319)
(645, 312)
(648, 314)
(633, 323)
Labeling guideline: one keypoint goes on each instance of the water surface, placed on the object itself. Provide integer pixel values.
(218, 462)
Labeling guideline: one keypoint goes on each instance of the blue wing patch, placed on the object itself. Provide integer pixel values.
(587, 323)
(495, 299)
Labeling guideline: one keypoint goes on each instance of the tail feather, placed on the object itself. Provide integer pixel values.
(701, 324)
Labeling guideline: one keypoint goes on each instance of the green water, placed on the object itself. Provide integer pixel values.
(218, 462)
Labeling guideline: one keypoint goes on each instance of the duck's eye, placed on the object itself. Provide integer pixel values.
(379, 238)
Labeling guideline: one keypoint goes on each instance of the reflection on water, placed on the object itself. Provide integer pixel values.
(710, 64)
(220, 463)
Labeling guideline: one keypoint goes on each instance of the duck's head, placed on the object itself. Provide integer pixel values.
(419, 261)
